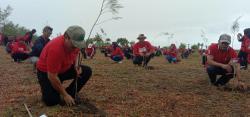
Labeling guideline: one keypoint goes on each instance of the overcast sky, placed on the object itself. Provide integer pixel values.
(184, 18)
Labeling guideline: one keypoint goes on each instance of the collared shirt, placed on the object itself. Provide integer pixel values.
(54, 57)
(221, 56)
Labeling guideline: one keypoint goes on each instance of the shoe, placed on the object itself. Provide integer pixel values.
(243, 67)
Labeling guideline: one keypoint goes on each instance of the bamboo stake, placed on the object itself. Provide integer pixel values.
(30, 115)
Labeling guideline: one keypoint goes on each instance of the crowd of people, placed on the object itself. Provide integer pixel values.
(60, 59)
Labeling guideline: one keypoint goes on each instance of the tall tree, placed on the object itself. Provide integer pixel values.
(4, 14)
(107, 6)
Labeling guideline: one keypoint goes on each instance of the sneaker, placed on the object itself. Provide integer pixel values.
(120, 62)
(243, 67)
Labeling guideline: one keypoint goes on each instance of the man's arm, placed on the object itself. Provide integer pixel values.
(211, 62)
(236, 68)
(56, 84)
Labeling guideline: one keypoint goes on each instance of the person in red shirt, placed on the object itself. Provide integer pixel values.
(90, 51)
(221, 59)
(19, 51)
(171, 54)
(245, 48)
(59, 61)
(116, 53)
(28, 37)
(143, 51)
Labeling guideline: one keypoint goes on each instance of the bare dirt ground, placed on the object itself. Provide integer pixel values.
(126, 90)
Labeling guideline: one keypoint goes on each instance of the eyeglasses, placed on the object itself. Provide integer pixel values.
(224, 43)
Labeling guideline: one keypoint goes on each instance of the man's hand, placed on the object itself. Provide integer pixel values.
(241, 85)
(239, 36)
(227, 67)
(78, 71)
(69, 100)
(148, 54)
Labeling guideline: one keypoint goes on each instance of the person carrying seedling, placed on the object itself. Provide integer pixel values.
(222, 60)
(60, 61)
(245, 48)
(143, 51)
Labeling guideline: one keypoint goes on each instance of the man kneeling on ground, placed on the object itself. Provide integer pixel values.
(57, 64)
(143, 51)
(220, 61)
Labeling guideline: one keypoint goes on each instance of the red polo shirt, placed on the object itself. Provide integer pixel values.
(117, 51)
(143, 47)
(221, 56)
(55, 58)
(18, 47)
(90, 50)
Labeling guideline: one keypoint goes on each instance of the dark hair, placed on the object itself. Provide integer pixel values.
(114, 44)
(33, 30)
(247, 32)
(46, 28)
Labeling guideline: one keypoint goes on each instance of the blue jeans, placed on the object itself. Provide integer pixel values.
(171, 59)
(117, 58)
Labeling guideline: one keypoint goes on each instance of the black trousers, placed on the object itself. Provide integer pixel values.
(139, 59)
(19, 56)
(50, 96)
(243, 58)
(225, 76)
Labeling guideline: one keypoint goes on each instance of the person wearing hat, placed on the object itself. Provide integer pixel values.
(57, 63)
(143, 51)
(221, 59)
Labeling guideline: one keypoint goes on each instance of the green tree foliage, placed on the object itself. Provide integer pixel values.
(4, 14)
(98, 40)
(11, 29)
(182, 46)
(122, 41)
(8, 28)
(195, 47)
(90, 40)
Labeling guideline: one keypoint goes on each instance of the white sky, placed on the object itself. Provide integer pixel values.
(184, 18)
